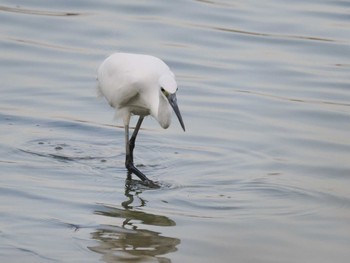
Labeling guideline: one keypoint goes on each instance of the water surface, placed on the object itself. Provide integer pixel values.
(260, 175)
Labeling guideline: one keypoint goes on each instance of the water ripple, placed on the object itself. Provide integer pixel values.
(259, 34)
(21, 10)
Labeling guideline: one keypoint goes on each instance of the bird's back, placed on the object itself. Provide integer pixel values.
(122, 76)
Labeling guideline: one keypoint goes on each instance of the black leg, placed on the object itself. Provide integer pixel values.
(129, 148)
(133, 138)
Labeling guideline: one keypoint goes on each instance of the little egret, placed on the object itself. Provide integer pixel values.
(140, 85)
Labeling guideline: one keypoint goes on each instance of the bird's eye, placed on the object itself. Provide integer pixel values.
(162, 89)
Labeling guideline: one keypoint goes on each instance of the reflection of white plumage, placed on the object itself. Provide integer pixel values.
(138, 85)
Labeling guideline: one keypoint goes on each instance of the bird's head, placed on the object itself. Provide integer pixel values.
(168, 88)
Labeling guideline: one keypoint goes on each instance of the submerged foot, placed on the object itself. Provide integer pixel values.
(145, 181)
(151, 184)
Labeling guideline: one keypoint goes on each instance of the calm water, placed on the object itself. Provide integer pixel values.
(261, 174)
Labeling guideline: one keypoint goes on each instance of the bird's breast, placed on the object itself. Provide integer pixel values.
(137, 110)
(137, 105)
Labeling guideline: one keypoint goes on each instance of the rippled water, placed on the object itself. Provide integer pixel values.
(261, 174)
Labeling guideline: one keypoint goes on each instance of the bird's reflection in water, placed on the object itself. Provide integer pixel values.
(128, 240)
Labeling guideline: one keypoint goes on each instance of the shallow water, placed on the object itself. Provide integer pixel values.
(261, 174)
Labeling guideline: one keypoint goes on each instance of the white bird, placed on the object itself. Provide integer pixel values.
(140, 85)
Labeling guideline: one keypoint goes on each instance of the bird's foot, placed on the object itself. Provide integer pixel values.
(151, 184)
(137, 184)
(132, 169)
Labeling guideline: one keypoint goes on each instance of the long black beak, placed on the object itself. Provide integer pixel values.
(173, 102)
